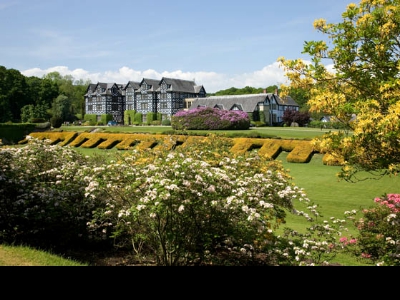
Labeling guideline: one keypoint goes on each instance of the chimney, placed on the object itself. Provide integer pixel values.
(276, 92)
(264, 91)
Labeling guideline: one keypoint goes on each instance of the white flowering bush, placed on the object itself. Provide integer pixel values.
(42, 195)
(198, 206)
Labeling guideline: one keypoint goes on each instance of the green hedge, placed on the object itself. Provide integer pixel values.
(15, 132)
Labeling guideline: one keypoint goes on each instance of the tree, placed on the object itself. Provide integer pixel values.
(365, 83)
(13, 94)
(61, 108)
(293, 116)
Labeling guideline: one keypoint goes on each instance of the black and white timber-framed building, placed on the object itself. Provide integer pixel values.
(166, 96)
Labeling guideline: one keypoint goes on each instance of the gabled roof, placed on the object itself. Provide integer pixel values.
(247, 102)
(104, 86)
(134, 84)
(153, 83)
(180, 85)
(287, 101)
(91, 87)
(198, 88)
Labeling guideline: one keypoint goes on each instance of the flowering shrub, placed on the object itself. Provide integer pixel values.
(379, 232)
(194, 205)
(42, 199)
(207, 118)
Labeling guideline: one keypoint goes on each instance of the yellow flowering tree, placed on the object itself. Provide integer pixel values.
(362, 89)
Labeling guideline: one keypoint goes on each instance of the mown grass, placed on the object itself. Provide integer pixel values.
(280, 132)
(27, 256)
(319, 181)
(334, 197)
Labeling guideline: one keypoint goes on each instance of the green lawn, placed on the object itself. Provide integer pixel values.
(282, 132)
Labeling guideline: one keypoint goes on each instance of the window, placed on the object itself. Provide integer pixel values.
(163, 105)
(144, 106)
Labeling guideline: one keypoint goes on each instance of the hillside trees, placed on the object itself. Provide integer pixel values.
(25, 98)
(246, 90)
(72, 89)
(365, 82)
(13, 94)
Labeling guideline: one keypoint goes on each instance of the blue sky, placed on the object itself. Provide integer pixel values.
(218, 43)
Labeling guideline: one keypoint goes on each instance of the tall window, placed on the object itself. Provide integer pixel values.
(144, 106)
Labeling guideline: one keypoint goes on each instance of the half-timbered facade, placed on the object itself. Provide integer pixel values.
(266, 107)
(105, 98)
(165, 96)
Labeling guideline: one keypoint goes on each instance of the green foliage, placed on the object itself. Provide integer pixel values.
(18, 91)
(56, 122)
(104, 119)
(91, 118)
(327, 125)
(12, 133)
(138, 118)
(166, 122)
(129, 117)
(61, 108)
(246, 90)
(150, 118)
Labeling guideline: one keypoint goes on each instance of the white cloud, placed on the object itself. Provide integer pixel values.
(270, 75)
(212, 82)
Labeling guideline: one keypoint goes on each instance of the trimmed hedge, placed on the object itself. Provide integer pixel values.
(15, 132)
(300, 151)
